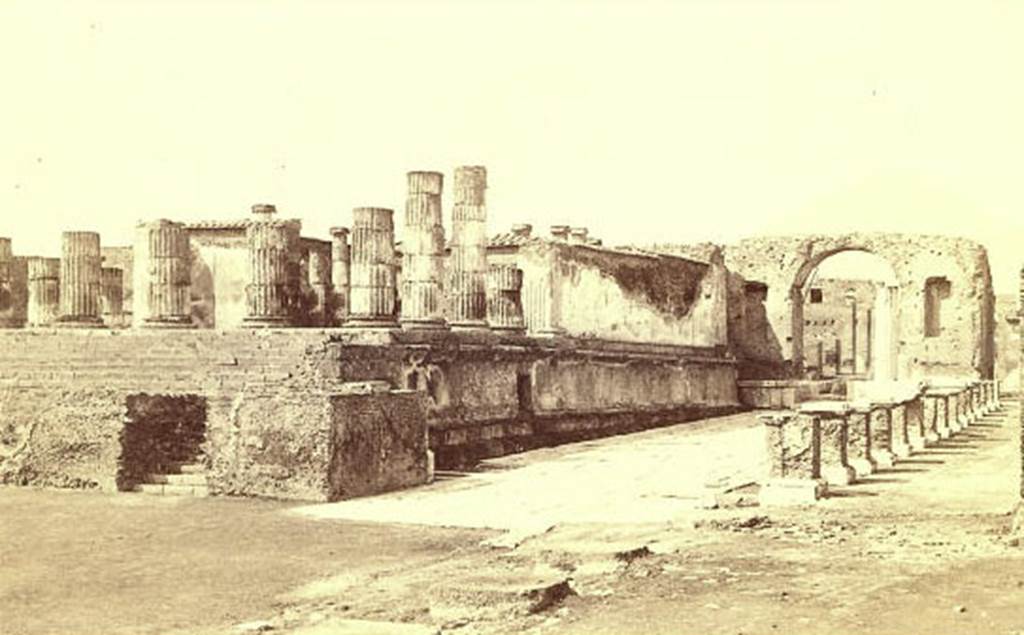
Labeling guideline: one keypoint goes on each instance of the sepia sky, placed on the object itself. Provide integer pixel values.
(645, 121)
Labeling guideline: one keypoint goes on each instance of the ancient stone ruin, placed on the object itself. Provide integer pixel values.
(241, 357)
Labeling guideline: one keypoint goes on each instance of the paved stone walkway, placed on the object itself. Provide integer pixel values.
(650, 476)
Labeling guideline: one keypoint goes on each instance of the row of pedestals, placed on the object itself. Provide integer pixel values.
(357, 288)
(833, 443)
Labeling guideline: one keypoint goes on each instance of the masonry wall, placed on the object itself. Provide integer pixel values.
(963, 348)
(1007, 344)
(489, 395)
(273, 418)
(619, 295)
(64, 395)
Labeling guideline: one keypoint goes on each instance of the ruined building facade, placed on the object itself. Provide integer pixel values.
(275, 364)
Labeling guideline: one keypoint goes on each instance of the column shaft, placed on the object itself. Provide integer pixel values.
(273, 261)
(112, 296)
(9, 314)
(80, 280)
(162, 275)
(423, 253)
(372, 292)
(467, 281)
(341, 260)
(320, 283)
(43, 291)
(504, 298)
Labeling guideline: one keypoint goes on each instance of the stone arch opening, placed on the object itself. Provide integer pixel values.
(845, 304)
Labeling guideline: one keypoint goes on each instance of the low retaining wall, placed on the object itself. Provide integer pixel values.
(282, 420)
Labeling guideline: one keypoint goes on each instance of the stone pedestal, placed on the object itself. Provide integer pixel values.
(423, 253)
(793, 445)
(112, 296)
(858, 441)
(832, 423)
(372, 292)
(900, 438)
(9, 314)
(162, 275)
(942, 416)
(80, 280)
(43, 291)
(930, 414)
(273, 272)
(881, 436)
(955, 412)
(341, 258)
(916, 430)
(468, 263)
(504, 300)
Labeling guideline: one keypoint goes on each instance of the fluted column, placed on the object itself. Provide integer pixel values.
(112, 296)
(162, 275)
(341, 259)
(320, 282)
(372, 293)
(423, 253)
(504, 298)
(467, 282)
(80, 280)
(43, 291)
(271, 288)
(9, 315)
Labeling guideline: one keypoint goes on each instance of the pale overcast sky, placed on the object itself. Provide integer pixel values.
(646, 121)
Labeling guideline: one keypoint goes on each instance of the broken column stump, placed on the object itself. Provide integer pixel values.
(793, 443)
(833, 424)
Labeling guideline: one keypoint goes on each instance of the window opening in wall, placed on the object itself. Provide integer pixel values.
(936, 290)
(816, 296)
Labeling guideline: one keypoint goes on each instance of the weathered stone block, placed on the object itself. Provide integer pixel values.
(379, 443)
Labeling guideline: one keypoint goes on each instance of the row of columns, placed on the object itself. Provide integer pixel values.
(357, 288)
(470, 294)
(74, 290)
(834, 443)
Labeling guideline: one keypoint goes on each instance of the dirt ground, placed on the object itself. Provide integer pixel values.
(917, 549)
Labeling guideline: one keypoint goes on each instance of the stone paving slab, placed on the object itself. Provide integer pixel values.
(649, 476)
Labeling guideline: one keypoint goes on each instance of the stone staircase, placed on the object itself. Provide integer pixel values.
(187, 479)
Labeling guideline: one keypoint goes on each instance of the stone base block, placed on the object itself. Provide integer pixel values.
(470, 325)
(901, 450)
(945, 433)
(79, 322)
(182, 323)
(370, 323)
(955, 426)
(792, 491)
(930, 438)
(838, 474)
(423, 325)
(862, 467)
(918, 443)
(883, 459)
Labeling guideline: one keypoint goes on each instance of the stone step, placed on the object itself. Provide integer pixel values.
(164, 489)
(177, 479)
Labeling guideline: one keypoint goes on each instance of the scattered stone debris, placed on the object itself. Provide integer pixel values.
(735, 524)
(548, 596)
(254, 627)
(633, 554)
(959, 608)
